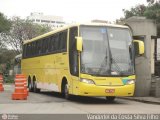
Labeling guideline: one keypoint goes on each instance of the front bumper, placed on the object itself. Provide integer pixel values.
(94, 90)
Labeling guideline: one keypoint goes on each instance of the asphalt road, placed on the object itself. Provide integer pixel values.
(53, 103)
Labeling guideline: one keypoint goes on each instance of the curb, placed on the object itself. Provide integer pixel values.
(141, 100)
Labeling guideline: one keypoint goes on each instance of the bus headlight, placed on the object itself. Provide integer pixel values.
(87, 81)
(131, 81)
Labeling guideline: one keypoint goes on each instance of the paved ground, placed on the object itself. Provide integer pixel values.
(53, 103)
(151, 100)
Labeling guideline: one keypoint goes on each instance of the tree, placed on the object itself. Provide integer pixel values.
(151, 11)
(5, 26)
(6, 57)
(4, 23)
(12, 34)
(150, 1)
(135, 11)
(22, 30)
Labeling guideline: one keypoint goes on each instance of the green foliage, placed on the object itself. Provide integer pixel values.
(26, 29)
(4, 23)
(6, 55)
(9, 79)
(135, 11)
(12, 34)
(151, 2)
(153, 12)
(21, 30)
(5, 26)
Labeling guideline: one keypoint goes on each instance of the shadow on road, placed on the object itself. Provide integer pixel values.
(81, 99)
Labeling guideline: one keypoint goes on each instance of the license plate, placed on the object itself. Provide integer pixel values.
(110, 90)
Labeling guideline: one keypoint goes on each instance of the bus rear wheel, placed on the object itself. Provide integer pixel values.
(30, 86)
(35, 89)
(110, 98)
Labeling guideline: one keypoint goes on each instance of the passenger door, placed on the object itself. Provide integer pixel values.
(73, 60)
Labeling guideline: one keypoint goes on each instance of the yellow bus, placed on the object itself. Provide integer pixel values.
(82, 59)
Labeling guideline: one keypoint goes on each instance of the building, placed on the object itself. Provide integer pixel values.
(99, 21)
(53, 21)
(158, 49)
(147, 66)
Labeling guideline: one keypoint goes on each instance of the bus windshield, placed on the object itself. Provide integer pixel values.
(107, 51)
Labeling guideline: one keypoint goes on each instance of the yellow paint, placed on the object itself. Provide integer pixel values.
(53, 68)
(141, 46)
(79, 43)
(103, 83)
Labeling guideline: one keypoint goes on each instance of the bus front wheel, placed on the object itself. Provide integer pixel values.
(66, 91)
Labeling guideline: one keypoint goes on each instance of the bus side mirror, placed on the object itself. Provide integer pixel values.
(79, 44)
(138, 47)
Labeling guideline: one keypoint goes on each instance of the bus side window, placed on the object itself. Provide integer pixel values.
(43, 46)
(39, 47)
(28, 49)
(73, 53)
(33, 48)
(52, 43)
(49, 44)
(56, 45)
(63, 41)
(30, 53)
(60, 41)
(46, 45)
(24, 51)
(36, 48)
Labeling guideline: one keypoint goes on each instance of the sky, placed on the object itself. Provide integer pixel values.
(70, 10)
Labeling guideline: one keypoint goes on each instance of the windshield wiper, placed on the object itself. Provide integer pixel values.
(103, 67)
(117, 66)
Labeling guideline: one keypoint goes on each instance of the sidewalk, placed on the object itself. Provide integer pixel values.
(152, 100)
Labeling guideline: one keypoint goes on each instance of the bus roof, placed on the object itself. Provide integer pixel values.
(69, 26)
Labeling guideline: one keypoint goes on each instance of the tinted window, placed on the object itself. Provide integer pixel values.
(52, 44)
(63, 40)
(56, 45)
(44, 46)
(73, 53)
(24, 51)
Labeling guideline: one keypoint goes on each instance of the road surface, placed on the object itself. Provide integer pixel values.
(53, 103)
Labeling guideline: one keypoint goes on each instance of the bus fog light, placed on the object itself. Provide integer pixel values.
(87, 81)
(130, 82)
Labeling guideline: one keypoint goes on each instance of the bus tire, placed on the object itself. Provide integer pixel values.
(110, 98)
(66, 91)
(30, 86)
(35, 89)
